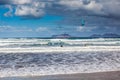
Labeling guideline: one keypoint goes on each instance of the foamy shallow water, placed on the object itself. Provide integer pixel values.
(37, 64)
(94, 55)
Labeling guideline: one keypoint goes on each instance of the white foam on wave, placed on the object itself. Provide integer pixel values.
(108, 62)
(68, 42)
(86, 62)
(97, 65)
(60, 49)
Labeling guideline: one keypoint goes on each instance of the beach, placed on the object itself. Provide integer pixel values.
(114, 75)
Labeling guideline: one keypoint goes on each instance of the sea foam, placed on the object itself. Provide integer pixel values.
(34, 57)
(38, 64)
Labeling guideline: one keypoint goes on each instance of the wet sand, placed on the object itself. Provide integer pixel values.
(113, 75)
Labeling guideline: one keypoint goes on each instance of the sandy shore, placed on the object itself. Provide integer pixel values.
(113, 75)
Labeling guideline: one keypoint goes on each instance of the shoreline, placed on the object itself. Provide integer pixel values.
(107, 75)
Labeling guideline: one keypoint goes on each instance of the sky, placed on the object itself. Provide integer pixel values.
(44, 18)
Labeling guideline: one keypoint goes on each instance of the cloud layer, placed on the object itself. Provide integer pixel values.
(100, 13)
(37, 8)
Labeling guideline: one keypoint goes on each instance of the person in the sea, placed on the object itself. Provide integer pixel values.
(61, 43)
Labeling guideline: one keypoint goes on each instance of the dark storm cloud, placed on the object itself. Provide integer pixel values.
(15, 2)
(103, 14)
(2, 2)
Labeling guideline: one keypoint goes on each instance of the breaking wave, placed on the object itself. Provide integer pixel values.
(24, 42)
(79, 56)
(30, 64)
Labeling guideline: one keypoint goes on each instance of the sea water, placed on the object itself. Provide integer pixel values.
(36, 57)
(36, 42)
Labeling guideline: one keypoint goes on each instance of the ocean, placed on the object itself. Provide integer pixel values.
(38, 57)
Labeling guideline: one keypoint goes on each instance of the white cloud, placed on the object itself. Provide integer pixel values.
(112, 8)
(95, 7)
(14, 29)
(9, 13)
(85, 29)
(21, 1)
(72, 4)
(42, 29)
(5, 28)
(37, 8)
(29, 11)
(38, 4)
(90, 5)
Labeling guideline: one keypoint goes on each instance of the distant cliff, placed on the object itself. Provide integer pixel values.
(106, 35)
